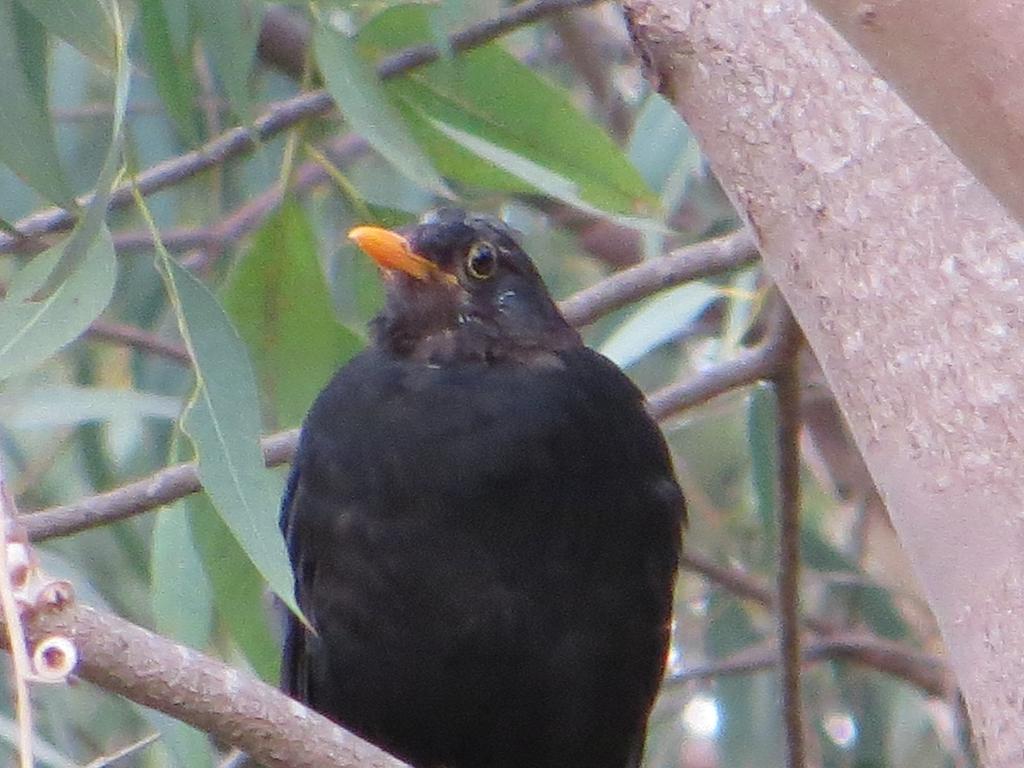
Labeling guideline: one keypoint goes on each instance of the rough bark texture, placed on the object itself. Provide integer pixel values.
(233, 707)
(906, 276)
(960, 65)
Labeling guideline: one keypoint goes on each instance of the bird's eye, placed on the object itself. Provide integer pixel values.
(481, 261)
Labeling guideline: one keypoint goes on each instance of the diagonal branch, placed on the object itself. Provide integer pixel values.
(130, 336)
(163, 487)
(693, 262)
(207, 694)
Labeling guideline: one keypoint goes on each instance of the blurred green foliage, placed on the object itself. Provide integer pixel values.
(269, 299)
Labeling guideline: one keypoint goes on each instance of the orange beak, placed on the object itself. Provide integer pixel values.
(391, 251)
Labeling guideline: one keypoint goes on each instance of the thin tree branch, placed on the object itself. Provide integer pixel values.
(130, 336)
(478, 34)
(163, 487)
(925, 671)
(280, 117)
(219, 235)
(587, 45)
(745, 586)
(750, 366)
(689, 263)
(787, 392)
(761, 362)
(207, 694)
(229, 144)
(175, 240)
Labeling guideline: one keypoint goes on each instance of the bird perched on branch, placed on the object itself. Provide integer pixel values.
(483, 522)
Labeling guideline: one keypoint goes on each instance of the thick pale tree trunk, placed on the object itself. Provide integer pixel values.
(908, 280)
(960, 65)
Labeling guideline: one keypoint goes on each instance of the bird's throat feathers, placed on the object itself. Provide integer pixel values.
(438, 322)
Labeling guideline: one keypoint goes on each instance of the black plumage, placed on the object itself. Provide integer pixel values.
(483, 523)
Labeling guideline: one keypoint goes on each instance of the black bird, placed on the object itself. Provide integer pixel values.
(483, 522)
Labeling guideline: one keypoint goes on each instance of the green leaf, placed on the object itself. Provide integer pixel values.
(663, 150)
(657, 321)
(820, 555)
(171, 67)
(31, 331)
(61, 407)
(35, 55)
(230, 31)
(354, 86)
(238, 589)
(455, 161)
(96, 213)
(28, 146)
(179, 26)
(488, 94)
(82, 23)
(186, 746)
(224, 424)
(182, 602)
(280, 303)
(761, 428)
(550, 183)
(871, 604)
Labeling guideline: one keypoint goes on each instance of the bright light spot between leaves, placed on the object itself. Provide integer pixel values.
(841, 728)
(698, 606)
(700, 716)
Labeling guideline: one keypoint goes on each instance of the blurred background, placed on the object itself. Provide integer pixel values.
(216, 112)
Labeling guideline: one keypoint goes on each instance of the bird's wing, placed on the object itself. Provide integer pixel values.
(293, 659)
(300, 644)
(294, 651)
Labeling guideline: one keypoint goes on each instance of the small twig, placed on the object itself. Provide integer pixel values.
(15, 631)
(761, 362)
(477, 34)
(923, 670)
(787, 392)
(104, 109)
(743, 585)
(212, 122)
(748, 367)
(175, 240)
(280, 117)
(926, 672)
(249, 216)
(105, 760)
(130, 336)
(218, 236)
(160, 488)
(693, 262)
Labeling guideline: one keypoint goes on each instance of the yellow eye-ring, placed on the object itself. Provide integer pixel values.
(482, 261)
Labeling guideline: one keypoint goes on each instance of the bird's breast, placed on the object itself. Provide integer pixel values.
(486, 539)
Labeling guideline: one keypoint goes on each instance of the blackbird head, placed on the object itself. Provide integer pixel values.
(459, 286)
